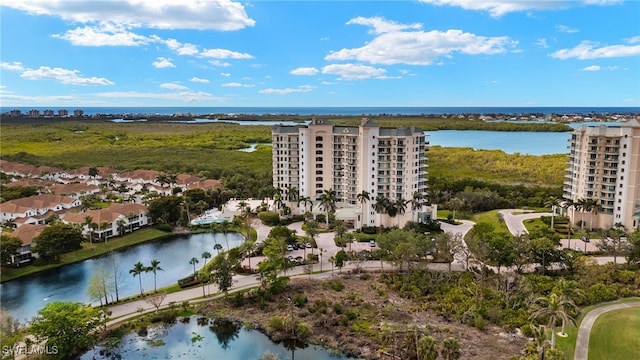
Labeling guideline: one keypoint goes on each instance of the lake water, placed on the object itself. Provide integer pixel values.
(24, 297)
(205, 339)
(532, 143)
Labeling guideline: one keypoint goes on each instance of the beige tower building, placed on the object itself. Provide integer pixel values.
(604, 165)
(385, 162)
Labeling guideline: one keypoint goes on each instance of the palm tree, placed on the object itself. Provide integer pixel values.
(363, 197)
(194, 261)
(553, 307)
(130, 217)
(304, 200)
(154, 268)
(121, 226)
(277, 199)
(553, 203)
(102, 227)
(400, 208)
(93, 172)
(328, 203)
(225, 226)
(312, 230)
(137, 270)
(567, 289)
(206, 255)
(380, 206)
(88, 220)
(217, 247)
(416, 203)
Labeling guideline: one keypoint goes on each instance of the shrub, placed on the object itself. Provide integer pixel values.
(299, 300)
(269, 218)
(600, 292)
(336, 285)
(276, 323)
(337, 308)
(164, 227)
(303, 330)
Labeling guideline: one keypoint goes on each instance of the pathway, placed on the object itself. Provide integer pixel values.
(582, 341)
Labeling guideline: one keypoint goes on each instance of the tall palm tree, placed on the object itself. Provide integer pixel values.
(380, 206)
(277, 199)
(121, 226)
(312, 230)
(205, 256)
(553, 307)
(194, 261)
(363, 197)
(217, 247)
(400, 206)
(328, 203)
(225, 226)
(88, 220)
(137, 270)
(102, 227)
(154, 268)
(416, 203)
(305, 200)
(552, 203)
(569, 290)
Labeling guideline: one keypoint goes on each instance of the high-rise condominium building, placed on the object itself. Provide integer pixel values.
(604, 169)
(386, 163)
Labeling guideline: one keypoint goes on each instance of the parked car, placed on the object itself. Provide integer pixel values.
(308, 245)
(289, 247)
(372, 243)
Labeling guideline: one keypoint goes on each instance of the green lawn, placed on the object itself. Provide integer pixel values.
(87, 251)
(616, 335)
(491, 217)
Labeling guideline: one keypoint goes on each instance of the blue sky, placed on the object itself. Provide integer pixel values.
(71, 53)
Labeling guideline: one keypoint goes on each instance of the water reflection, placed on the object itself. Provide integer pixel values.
(24, 297)
(187, 339)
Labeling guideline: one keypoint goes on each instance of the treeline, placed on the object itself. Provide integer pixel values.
(434, 124)
(496, 166)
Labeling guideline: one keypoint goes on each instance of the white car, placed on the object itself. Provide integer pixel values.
(372, 243)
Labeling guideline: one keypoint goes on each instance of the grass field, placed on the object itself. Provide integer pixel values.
(616, 335)
(492, 217)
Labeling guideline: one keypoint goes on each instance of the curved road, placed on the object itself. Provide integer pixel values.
(582, 342)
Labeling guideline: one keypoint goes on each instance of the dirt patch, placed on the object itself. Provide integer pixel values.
(361, 317)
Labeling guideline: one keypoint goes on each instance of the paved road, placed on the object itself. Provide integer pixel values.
(582, 341)
(514, 222)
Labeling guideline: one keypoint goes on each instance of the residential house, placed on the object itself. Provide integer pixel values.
(37, 207)
(115, 220)
(26, 234)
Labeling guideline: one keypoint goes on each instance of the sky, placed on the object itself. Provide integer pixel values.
(209, 53)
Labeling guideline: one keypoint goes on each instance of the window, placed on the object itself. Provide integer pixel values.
(318, 138)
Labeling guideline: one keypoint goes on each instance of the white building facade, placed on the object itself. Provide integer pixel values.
(604, 165)
(385, 162)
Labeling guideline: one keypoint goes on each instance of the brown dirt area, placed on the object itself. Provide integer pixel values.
(364, 319)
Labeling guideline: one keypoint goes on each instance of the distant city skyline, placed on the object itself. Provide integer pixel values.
(222, 53)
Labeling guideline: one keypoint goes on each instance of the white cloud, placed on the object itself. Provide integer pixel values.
(304, 71)
(235, 84)
(219, 63)
(224, 15)
(542, 42)
(353, 71)
(592, 68)
(187, 96)
(589, 50)
(199, 80)
(497, 8)
(566, 29)
(381, 25)
(634, 40)
(13, 66)
(224, 54)
(65, 76)
(299, 89)
(173, 86)
(180, 48)
(225, 74)
(105, 34)
(162, 63)
(422, 48)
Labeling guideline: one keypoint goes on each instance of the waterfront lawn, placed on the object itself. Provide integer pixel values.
(615, 335)
(87, 251)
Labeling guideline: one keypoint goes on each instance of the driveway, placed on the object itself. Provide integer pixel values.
(514, 222)
(582, 341)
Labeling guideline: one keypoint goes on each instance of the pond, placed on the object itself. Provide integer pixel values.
(202, 338)
(25, 296)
